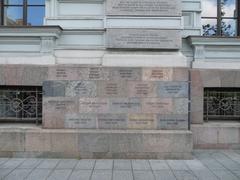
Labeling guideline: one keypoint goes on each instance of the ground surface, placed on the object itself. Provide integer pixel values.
(206, 165)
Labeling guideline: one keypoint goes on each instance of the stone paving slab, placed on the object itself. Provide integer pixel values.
(206, 165)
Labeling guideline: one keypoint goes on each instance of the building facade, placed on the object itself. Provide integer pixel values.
(119, 78)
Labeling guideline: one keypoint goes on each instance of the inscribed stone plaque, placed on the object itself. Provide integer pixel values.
(141, 89)
(93, 105)
(172, 122)
(63, 73)
(126, 73)
(141, 121)
(111, 89)
(143, 39)
(98, 73)
(144, 7)
(172, 89)
(125, 105)
(157, 74)
(156, 105)
(83, 121)
(81, 88)
(112, 121)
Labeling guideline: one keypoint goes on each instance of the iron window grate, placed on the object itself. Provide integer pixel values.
(20, 103)
(221, 104)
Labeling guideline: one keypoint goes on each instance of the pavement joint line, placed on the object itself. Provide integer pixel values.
(53, 169)
(73, 169)
(171, 170)
(94, 164)
(189, 169)
(132, 169)
(224, 152)
(223, 164)
(208, 168)
(151, 169)
(112, 169)
(33, 169)
(14, 168)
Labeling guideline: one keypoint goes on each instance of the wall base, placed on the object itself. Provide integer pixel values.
(117, 144)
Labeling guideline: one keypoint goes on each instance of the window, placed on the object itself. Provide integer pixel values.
(220, 17)
(22, 12)
(20, 103)
(221, 104)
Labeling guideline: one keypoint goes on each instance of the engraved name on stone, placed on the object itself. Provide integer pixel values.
(81, 88)
(140, 121)
(173, 89)
(154, 105)
(112, 121)
(60, 105)
(126, 73)
(157, 74)
(93, 105)
(84, 121)
(143, 39)
(173, 122)
(144, 7)
(124, 105)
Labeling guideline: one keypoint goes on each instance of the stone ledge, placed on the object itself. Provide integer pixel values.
(216, 135)
(124, 144)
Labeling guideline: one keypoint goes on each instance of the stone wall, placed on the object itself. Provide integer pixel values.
(116, 98)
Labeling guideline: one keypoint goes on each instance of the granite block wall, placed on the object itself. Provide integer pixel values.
(116, 98)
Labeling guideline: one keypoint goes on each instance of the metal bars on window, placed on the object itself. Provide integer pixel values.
(221, 104)
(20, 104)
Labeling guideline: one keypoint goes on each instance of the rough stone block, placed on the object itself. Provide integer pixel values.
(228, 78)
(81, 89)
(157, 74)
(38, 142)
(54, 88)
(34, 76)
(144, 8)
(172, 89)
(157, 105)
(12, 141)
(196, 110)
(125, 105)
(180, 105)
(125, 73)
(112, 121)
(211, 78)
(13, 75)
(81, 121)
(142, 121)
(111, 89)
(141, 89)
(143, 39)
(180, 74)
(173, 122)
(93, 105)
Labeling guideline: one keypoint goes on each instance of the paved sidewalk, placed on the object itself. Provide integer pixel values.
(206, 165)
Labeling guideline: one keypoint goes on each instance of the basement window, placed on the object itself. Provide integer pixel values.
(221, 104)
(21, 104)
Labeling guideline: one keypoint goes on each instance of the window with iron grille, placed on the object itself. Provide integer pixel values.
(20, 104)
(221, 104)
(22, 12)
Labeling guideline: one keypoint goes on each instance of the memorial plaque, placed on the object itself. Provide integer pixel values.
(141, 121)
(180, 105)
(54, 88)
(157, 74)
(112, 121)
(63, 73)
(142, 89)
(60, 104)
(93, 105)
(172, 89)
(172, 122)
(112, 89)
(125, 105)
(144, 7)
(81, 88)
(126, 74)
(143, 39)
(156, 105)
(98, 73)
(81, 121)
